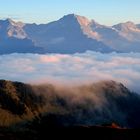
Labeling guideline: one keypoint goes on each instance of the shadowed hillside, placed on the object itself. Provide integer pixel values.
(35, 109)
(18, 102)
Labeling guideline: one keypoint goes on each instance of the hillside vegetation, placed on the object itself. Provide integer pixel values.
(53, 106)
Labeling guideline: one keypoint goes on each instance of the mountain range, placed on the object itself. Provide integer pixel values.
(70, 34)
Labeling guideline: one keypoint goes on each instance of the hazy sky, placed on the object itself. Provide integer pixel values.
(43, 11)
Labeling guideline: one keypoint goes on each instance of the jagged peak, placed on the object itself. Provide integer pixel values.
(83, 20)
(69, 16)
(129, 23)
(6, 21)
(125, 25)
(95, 24)
(80, 19)
(13, 29)
(10, 21)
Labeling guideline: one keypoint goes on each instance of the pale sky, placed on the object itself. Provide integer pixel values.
(106, 12)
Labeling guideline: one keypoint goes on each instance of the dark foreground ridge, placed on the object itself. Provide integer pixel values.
(84, 132)
(106, 110)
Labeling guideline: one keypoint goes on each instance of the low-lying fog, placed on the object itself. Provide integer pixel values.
(72, 69)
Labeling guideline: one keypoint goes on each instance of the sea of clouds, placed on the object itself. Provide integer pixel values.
(72, 69)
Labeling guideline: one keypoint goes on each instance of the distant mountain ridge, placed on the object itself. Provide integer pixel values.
(70, 34)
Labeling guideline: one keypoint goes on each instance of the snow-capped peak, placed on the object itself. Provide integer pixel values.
(83, 21)
(127, 26)
(68, 17)
(9, 20)
(128, 30)
(85, 24)
(13, 29)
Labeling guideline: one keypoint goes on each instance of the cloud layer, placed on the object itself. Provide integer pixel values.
(72, 69)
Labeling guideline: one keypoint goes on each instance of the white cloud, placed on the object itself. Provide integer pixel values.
(72, 69)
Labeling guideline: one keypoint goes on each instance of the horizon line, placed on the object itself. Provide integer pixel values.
(39, 23)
